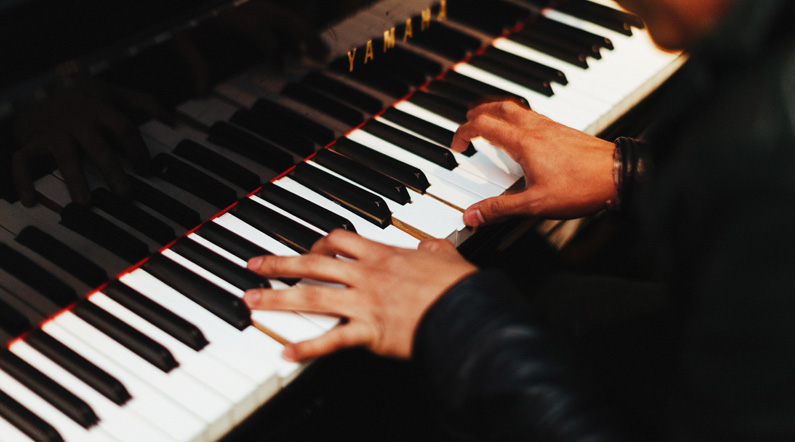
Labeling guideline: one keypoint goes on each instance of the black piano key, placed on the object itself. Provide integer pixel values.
(564, 43)
(450, 108)
(528, 67)
(569, 56)
(33, 275)
(306, 210)
(486, 91)
(194, 181)
(425, 149)
(231, 242)
(276, 131)
(420, 126)
(223, 304)
(156, 314)
(365, 204)
(62, 255)
(460, 95)
(317, 100)
(250, 146)
(22, 305)
(363, 175)
(218, 164)
(290, 233)
(164, 204)
(344, 92)
(12, 321)
(556, 28)
(103, 232)
(230, 272)
(126, 335)
(405, 173)
(49, 390)
(507, 72)
(79, 366)
(132, 215)
(236, 245)
(604, 16)
(295, 121)
(26, 421)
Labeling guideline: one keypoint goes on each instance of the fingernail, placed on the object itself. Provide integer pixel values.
(254, 263)
(289, 354)
(473, 217)
(252, 297)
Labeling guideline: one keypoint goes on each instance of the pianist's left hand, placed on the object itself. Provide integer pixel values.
(388, 289)
(568, 173)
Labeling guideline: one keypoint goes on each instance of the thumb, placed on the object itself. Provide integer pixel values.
(493, 209)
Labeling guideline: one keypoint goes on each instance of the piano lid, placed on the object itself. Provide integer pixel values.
(46, 41)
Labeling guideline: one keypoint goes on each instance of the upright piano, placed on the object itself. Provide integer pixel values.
(121, 319)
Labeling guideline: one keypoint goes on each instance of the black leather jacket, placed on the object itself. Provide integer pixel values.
(720, 214)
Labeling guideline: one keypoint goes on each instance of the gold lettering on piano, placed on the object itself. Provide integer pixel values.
(408, 33)
(368, 54)
(426, 19)
(351, 57)
(389, 39)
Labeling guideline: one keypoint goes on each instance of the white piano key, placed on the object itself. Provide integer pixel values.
(212, 373)
(390, 235)
(254, 354)
(568, 114)
(586, 81)
(459, 194)
(120, 421)
(247, 231)
(285, 213)
(219, 250)
(209, 406)
(69, 430)
(288, 325)
(158, 409)
(479, 164)
(457, 176)
(420, 112)
(424, 213)
(11, 433)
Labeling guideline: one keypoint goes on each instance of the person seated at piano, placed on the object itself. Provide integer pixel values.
(712, 188)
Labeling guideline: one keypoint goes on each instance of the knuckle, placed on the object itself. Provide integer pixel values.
(497, 208)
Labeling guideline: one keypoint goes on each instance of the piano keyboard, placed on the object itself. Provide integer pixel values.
(167, 350)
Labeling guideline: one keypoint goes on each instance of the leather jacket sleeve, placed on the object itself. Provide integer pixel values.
(497, 375)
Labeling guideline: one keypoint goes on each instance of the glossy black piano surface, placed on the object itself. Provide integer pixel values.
(192, 136)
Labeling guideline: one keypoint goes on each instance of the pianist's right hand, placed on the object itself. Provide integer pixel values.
(387, 290)
(568, 174)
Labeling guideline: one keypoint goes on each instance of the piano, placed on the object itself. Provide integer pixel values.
(122, 320)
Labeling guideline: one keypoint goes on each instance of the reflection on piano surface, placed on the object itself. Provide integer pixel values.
(122, 319)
